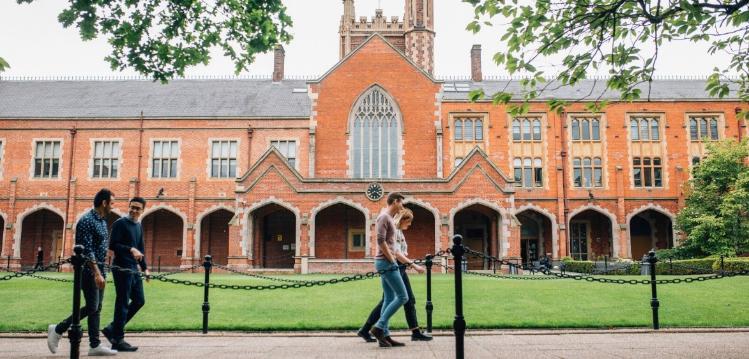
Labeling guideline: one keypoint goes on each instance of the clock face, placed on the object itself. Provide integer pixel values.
(374, 191)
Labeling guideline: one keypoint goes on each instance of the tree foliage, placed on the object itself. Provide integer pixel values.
(716, 216)
(3, 65)
(608, 36)
(160, 38)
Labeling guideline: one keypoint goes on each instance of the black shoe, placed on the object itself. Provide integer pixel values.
(123, 346)
(380, 335)
(420, 336)
(394, 343)
(366, 336)
(107, 331)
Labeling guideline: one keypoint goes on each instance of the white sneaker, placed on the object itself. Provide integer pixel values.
(101, 351)
(53, 339)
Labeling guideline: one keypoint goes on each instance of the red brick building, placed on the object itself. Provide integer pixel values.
(287, 174)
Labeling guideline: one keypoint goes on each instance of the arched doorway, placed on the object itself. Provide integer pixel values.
(479, 226)
(535, 236)
(214, 235)
(43, 228)
(590, 236)
(420, 237)
(648, 230)
(274, 236)
(163, 233)
(340, 233)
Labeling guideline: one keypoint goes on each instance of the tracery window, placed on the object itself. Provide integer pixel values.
(375, 134)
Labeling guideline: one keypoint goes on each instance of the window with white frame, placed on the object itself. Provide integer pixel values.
(287, 149)
(528, 172)
(468, 133)
(106, 159)
(164, 159)
(526, 129)
(586, 129)
(224, 159)
(375, 135)
(47, 159)
(644, 128)
(587, 172)
(356, 240)
(647, 171)
(703, 128)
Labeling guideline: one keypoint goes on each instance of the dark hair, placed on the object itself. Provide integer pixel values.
(101, 196)
(394, 196)
(139, 200)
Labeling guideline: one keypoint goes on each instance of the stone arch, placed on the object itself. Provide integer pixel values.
(435, 213)
(18, 226)
(605, 212)
(554, 224)
(199, 219)
(650, 207)
(339, 200)
(175, 211)
(3, 236)
(503, 232)
(247, 245)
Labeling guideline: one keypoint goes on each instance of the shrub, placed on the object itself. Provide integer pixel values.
(685, 267)
(577, 266)
(732, 264)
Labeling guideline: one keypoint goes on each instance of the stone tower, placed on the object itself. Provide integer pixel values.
(419, 33)
(414, 36)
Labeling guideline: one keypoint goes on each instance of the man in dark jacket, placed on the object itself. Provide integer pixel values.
(127, 244)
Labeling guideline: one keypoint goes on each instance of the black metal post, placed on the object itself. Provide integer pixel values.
(606, 264)
(159, 269)
(671, 266)
(7, 268)
(721, 264)
(429, 306)
(206, 307)
(59, 267)
(459, 324)
(653, 301)
(75, 333)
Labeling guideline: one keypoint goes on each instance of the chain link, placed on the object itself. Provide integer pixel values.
(31, 272)
(647, 281)
(259, 276)
(306, 284)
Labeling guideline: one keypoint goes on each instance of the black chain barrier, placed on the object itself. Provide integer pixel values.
(31, 272)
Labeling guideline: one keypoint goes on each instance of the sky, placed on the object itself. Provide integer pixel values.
(35, 44)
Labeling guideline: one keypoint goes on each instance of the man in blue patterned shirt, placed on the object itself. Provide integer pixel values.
(90, 232)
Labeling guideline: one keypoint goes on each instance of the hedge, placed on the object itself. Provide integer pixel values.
(732, 264)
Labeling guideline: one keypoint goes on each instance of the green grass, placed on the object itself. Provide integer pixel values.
(31, 304)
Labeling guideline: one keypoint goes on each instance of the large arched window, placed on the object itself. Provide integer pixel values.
(375, 136)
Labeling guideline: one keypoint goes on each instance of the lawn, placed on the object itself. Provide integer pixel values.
(31, 304)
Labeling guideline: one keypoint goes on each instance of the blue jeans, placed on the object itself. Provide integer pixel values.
(394, 292)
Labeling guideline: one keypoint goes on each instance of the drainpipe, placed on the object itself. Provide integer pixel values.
(140, 153)
(737, 110)
(565, 198)
(73, 131)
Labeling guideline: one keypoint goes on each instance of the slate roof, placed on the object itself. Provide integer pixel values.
(236, 98)
(661, 90)
(247, 98)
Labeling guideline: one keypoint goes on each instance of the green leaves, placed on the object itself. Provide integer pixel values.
(3, 65)
(716, 216)
(161, 38)
(608, 35)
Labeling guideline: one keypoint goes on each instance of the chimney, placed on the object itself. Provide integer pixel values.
(476, 63)
(278, 59)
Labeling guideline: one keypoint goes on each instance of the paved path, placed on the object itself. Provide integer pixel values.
(722, 344)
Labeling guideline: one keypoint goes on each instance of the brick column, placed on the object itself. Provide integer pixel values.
(621, 213)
